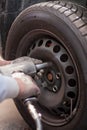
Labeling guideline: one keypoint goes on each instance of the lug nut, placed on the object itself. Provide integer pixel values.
(39, 74)
(57, 76)
(55, 88)
(42, 71)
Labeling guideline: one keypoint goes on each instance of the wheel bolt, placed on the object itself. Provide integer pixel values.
(39, 74)
(57, 76)
(42, 71)
(55, 88)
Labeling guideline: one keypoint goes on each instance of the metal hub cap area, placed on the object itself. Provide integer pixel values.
(58, 83)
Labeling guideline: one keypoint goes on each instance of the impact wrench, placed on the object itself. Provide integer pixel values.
(33, 112)
(29, 67)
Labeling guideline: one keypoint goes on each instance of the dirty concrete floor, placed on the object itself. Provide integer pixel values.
(10, 119)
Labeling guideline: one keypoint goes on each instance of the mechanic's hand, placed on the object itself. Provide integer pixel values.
(19, 60)
(27, 86)
(22, 64)
(26, 59)
(3, 61)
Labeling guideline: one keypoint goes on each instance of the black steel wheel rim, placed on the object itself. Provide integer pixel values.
(60, 89)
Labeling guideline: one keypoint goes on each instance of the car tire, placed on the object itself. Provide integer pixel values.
(65, 25)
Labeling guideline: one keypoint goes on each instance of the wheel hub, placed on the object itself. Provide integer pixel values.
(50, 87)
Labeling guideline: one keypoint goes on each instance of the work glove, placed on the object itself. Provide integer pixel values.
(23, 64)
(27, 86)
(26, 59)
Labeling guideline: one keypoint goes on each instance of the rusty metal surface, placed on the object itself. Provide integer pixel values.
(10, 119)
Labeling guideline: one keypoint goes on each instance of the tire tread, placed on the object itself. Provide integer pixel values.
(76, 14)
